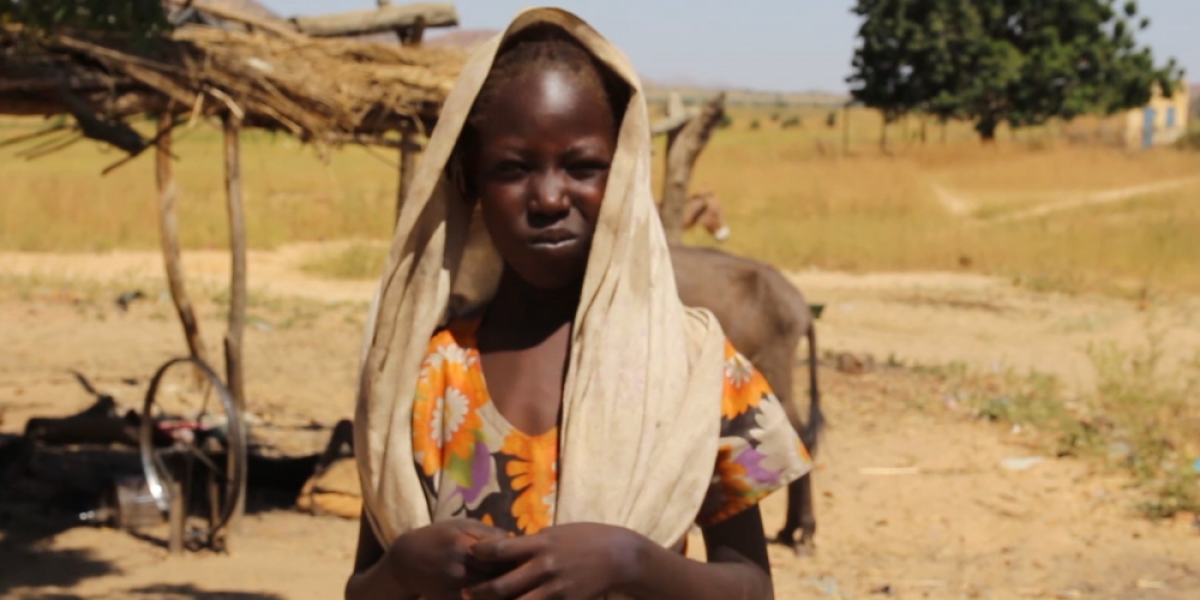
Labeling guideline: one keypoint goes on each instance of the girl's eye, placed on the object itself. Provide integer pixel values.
(587, 169)
(510, 168)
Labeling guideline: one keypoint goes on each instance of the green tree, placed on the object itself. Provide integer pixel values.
(993, 61)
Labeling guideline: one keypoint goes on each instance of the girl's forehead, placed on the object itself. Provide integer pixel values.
(546, 93)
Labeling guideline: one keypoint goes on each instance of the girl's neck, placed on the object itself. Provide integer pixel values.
(524, 315)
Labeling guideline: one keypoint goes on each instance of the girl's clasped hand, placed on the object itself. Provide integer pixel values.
(466, 559)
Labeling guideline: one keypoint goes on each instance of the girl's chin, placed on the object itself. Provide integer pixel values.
(552, 278)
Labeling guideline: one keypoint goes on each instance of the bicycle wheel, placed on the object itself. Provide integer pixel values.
(172, 445)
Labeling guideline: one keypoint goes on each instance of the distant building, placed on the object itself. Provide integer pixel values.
(1162, 121)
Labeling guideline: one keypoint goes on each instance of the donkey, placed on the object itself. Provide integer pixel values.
(764, 316)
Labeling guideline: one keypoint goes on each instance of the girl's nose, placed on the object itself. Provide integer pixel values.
(549, 195)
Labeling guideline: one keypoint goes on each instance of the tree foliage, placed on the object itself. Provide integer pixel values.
(141, 18)
(993, 61)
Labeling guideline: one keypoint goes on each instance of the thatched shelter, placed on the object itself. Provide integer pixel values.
(246, 71)
(323, 90)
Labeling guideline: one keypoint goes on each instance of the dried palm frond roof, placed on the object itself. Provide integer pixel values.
(321, 90)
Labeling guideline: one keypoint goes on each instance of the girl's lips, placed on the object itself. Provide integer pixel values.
(554, 244)
(553, 239)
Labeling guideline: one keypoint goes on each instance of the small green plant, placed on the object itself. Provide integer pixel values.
(790, 122)
(831, 119)
(1141, 419)
(1189, 141)
(755, 125)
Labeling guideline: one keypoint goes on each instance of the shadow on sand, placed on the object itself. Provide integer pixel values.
(43, 490)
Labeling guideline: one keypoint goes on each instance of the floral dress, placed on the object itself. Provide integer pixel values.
(473, 463)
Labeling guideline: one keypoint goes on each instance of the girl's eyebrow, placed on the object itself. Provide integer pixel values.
(587, 144)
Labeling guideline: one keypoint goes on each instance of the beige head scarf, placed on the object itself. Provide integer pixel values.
(641, 404)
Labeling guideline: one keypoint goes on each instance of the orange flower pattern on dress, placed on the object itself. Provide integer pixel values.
(745, 387)
(534, 473)
(731, 492)
(473, 463)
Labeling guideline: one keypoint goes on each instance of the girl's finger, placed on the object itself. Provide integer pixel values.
(480, 530)
(515, 583)
(507, 549)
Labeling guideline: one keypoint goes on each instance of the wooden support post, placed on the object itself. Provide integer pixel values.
(409, 37)
(408, 166)
(234, 369)
(175, 520)
(168, 230)
(682, 151)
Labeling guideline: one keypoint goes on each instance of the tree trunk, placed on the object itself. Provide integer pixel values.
(168, 228)
(234, 366)
(846, 129)
(987, 130)
(684, 149)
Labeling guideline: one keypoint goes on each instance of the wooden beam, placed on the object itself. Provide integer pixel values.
(683, 150)
(168, 231)
(234, 366)
(282, 29)
(382, 19)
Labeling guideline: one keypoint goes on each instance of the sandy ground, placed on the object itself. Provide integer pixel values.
(956, 526)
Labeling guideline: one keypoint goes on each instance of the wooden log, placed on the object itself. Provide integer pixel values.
(168, 231)
(234, 373)
(682, 153)
(378, 20)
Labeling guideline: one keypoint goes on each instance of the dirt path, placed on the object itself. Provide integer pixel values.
(930, 318)
(959, 205)
(954, 525)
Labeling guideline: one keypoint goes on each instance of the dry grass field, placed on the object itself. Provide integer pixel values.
(792, 197)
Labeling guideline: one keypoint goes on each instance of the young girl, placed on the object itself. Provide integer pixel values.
(560, 440)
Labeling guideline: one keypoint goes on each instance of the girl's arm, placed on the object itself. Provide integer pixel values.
(371, 579)
(737, 567)
(583, 561)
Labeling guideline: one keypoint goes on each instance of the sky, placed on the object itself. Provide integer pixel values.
(773, 45)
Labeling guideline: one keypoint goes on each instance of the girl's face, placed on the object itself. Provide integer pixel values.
(540, 167)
